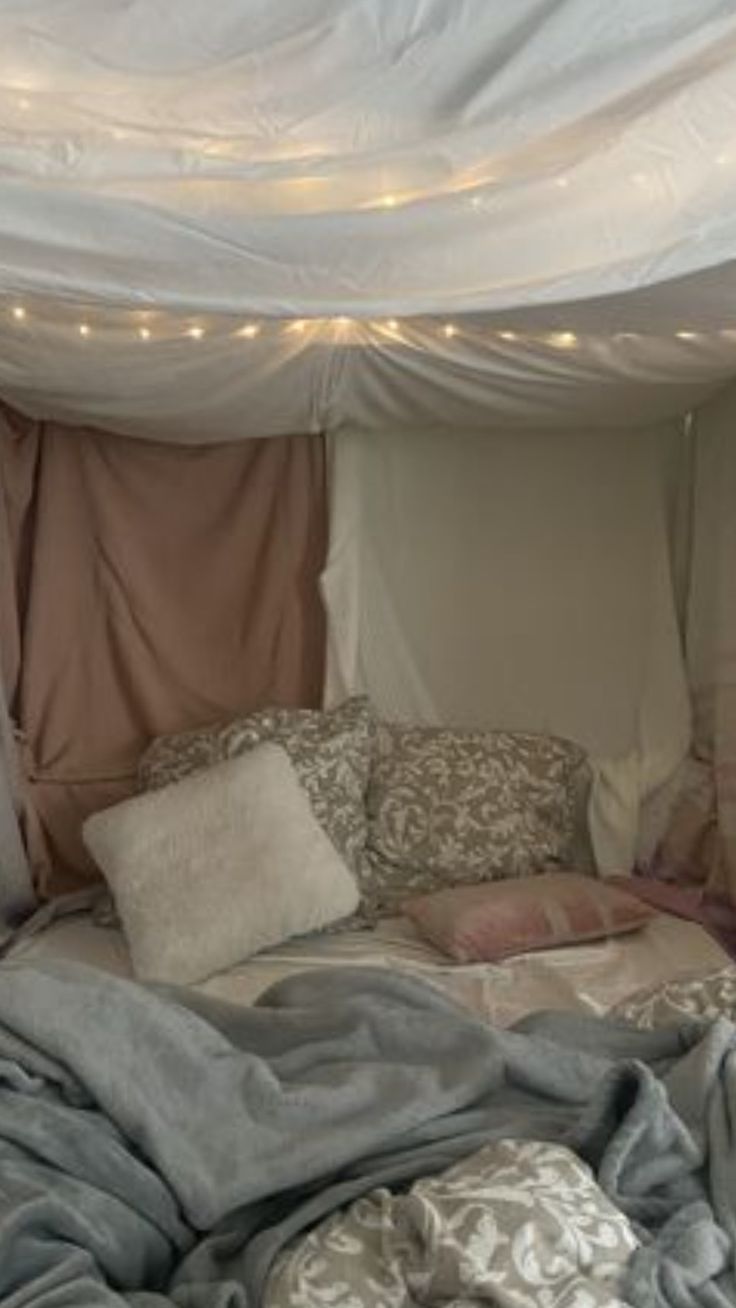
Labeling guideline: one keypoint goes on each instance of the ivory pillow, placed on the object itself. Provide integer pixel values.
(219, 866)
(485, 923)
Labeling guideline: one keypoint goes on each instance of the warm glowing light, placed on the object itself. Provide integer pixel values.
(389, 201)
(84, 329)
(196, 333)
(342, 321)
(19, 312)
(299, 325)
(565, 340)
(144, 333)
(250, 330)
(686, 336)
(508, 336)
(393, 325)
(449, 330)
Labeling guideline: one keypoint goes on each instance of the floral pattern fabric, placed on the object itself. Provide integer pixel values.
(706, 995)
(448, 806)
(518, 1225)
(330, 751)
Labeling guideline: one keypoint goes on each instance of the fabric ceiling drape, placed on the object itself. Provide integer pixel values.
(146, 588)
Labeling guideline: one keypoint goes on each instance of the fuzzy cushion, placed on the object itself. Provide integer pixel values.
(224, 864)
(448, 806)
(330, 751)
(488, 922)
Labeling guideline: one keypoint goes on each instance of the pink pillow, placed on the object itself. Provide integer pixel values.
(484, 923)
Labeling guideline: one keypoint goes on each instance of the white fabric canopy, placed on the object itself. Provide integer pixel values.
(207, 168)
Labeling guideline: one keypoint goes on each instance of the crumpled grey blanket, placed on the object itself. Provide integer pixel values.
(160, 1148)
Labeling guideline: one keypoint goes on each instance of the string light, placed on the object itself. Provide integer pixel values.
(561, 339)
(389, 201)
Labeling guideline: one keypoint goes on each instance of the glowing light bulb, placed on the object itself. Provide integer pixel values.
(19, 312)
(196, 333)
(565, 340)
(392, 325)
(388, 201)
(508, 336)
(342, 321)
(250, 330)
(298, 325)
(686, 336)
(449, 330)
(144, 333)
(84, 329)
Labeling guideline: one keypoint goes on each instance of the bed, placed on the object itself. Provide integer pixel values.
(351, 1115)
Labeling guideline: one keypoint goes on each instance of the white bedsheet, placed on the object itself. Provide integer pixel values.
(591, 977)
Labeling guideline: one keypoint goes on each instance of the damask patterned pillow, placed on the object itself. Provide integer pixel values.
(706, 995)
(519, 1224)
(447, 806)
(330, 752)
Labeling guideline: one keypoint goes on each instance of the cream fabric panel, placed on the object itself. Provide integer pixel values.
(519, 580)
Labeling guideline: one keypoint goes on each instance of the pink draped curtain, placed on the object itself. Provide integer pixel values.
(146, 587)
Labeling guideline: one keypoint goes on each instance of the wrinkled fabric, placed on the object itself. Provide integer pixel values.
(161, 1147)
(321, 158)
(143, 589)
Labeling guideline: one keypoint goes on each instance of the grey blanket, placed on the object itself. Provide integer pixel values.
(159, 1148)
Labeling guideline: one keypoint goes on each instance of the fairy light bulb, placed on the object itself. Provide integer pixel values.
(686, 336)
(508, 336)
(196, 333)
(392, 325)
(144, 333)
(19, 313)
(84, 329)
(449, 330)
(250, 330)
(564, 340)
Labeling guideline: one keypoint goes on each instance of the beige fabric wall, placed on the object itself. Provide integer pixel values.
(519, 579)
(144, 588)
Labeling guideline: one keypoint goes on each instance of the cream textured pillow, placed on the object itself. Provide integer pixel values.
(209, 871)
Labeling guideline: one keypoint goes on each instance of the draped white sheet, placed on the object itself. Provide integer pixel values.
(199, 165)
(520, 580)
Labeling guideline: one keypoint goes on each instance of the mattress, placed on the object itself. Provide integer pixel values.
(589, 977)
